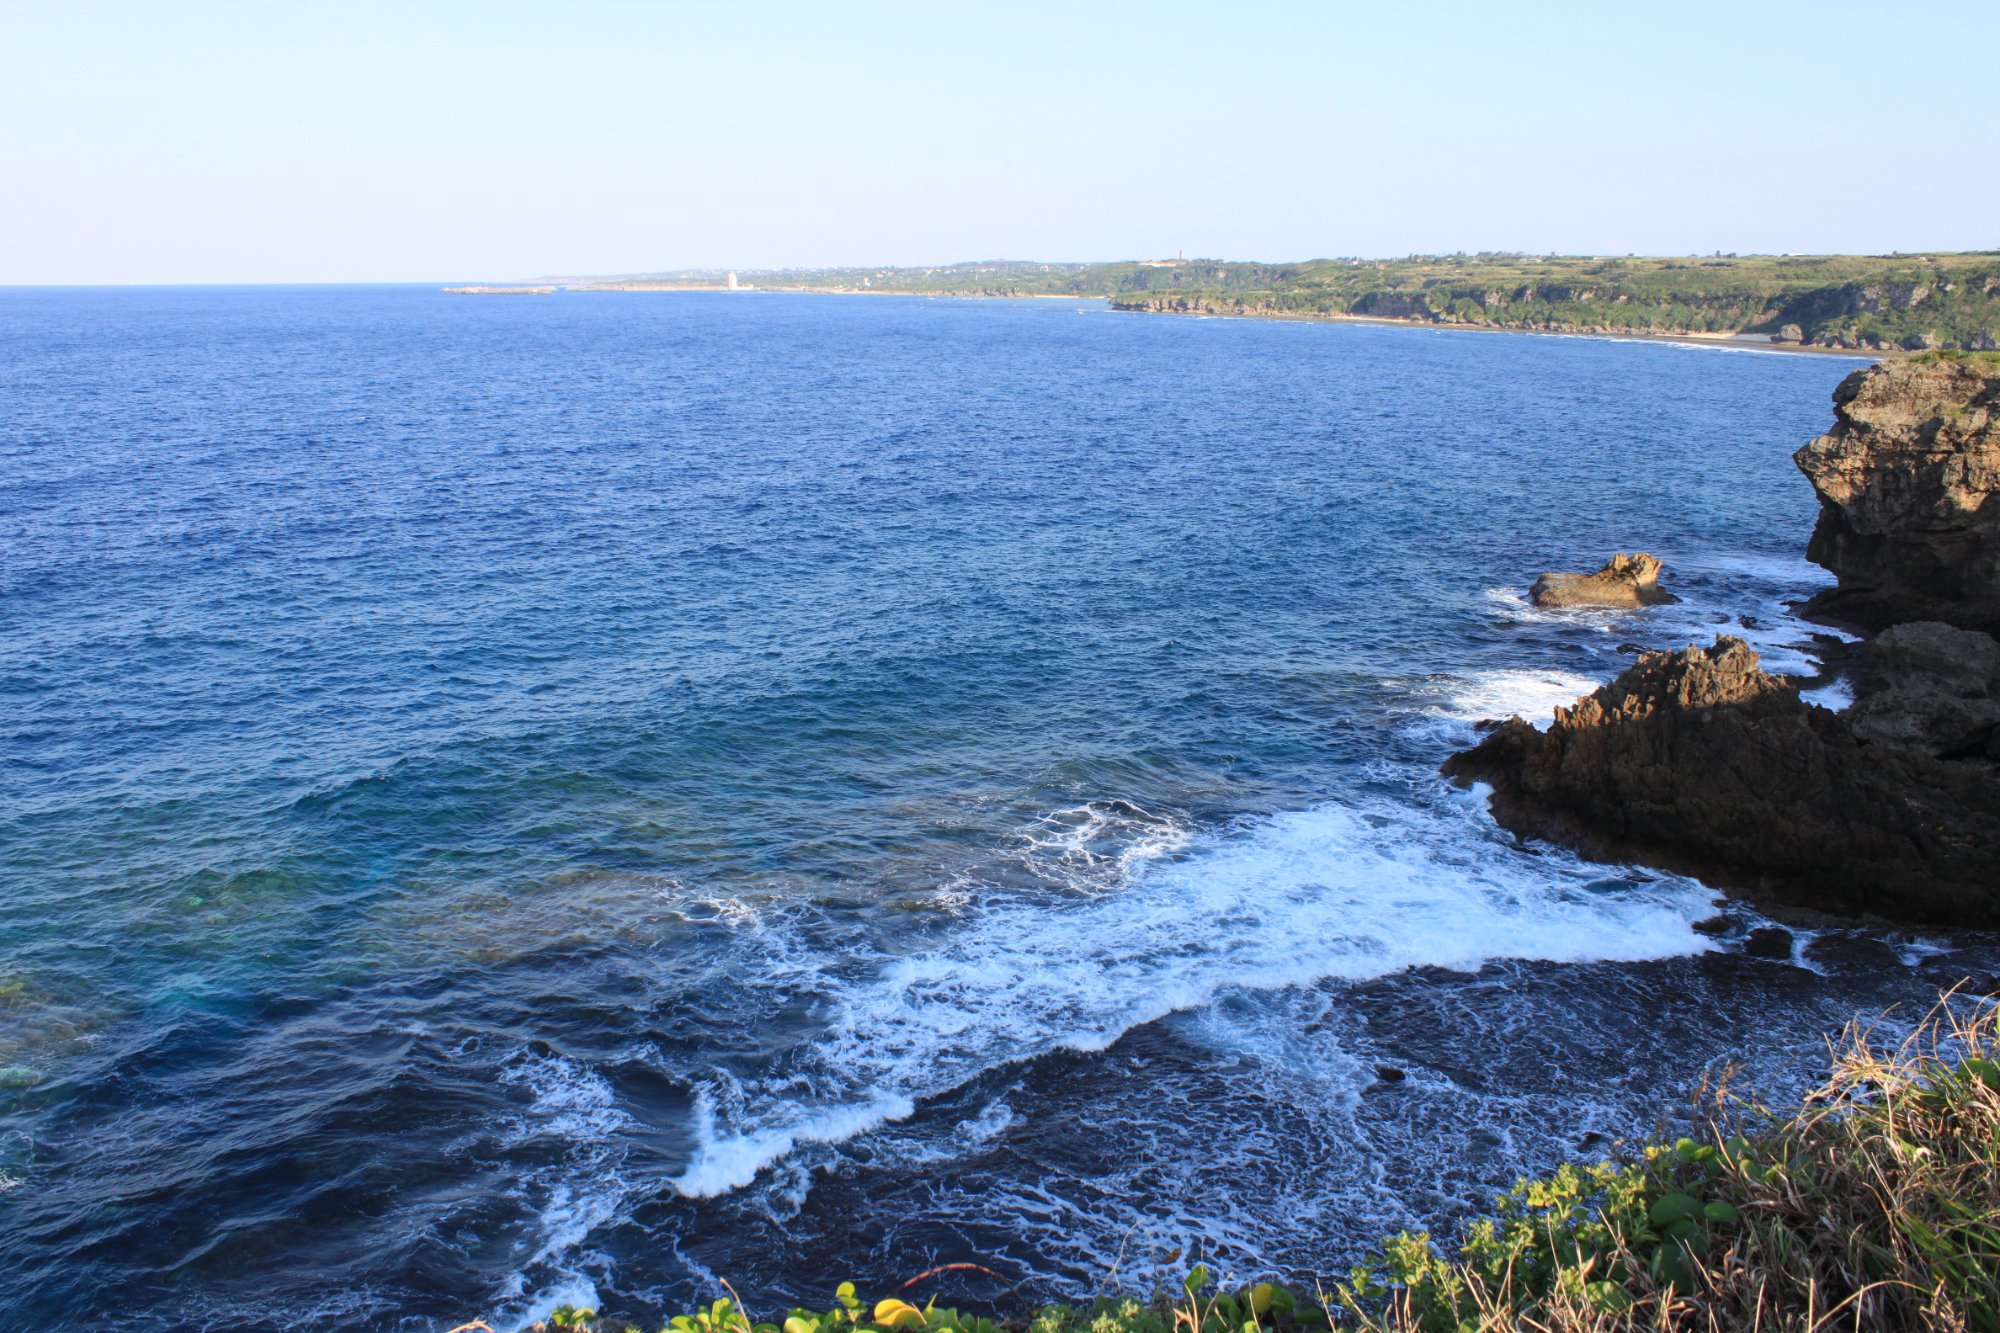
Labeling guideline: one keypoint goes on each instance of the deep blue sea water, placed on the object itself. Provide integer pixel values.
(509, 800)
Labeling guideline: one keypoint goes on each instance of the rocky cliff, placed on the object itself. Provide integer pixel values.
(1702, 763)
(1909, 488)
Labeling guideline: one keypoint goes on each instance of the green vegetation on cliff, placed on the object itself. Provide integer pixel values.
(1855, 301)
(1875, 302)
(1876, 1207)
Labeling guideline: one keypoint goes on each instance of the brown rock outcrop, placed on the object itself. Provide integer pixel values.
(1701, 763)
(1909, 488)
(1625, 581)
(1933, 687)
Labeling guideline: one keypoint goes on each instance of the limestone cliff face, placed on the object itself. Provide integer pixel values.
(1909, 488)
(1702, 763)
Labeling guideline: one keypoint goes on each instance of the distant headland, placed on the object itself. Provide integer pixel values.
(1879, 303)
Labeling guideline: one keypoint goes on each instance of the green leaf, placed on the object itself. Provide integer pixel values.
(1721, 1212)
(1668, 1266)
(1672, 1208)
(1609, 1297)
(1196, 1279)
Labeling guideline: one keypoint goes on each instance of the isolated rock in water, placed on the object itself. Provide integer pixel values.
(1700, 762)
(1931, 686)
(1769, 942)
(1625, 580)
(1909, 488)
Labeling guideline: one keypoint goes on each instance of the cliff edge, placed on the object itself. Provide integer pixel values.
(1703, 763)
(1909, 487)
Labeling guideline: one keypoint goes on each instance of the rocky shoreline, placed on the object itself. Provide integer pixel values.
(1702, 763)
(1789, 339)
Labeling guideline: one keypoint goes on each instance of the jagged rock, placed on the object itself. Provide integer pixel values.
(1625, 580)
(1769, 942)
(1700, 762)
(1931, 686)
(1854, 952)
(1909, 487)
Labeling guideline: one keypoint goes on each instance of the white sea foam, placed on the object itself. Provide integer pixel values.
(1348, 891)
(1514, 604)
(1500, 694)
(576, 1106)
(728, 1161)
(1105, 841)
(571, 1102)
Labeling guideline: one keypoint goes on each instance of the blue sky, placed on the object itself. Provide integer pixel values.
(419, 141)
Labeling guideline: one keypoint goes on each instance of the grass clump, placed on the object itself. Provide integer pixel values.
(1875, 1207)
(1988, 361)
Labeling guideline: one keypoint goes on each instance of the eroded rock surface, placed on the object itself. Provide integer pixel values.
(1909, 487)
(1625, 581)
(1701, 762)
(1931, 686)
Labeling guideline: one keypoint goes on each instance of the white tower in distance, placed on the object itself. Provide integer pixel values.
(732, 281)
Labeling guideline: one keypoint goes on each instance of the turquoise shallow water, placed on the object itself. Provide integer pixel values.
(507, 800)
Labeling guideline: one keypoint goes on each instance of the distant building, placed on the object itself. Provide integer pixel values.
(732, 282)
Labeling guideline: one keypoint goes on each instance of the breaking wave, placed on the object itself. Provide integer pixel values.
(1350, 890)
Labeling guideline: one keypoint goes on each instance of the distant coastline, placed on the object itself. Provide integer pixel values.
(1740, 341)
(1882, 304)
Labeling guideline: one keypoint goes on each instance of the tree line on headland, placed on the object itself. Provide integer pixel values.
(1863, 302)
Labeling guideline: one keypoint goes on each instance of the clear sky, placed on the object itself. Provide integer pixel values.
(422, 140)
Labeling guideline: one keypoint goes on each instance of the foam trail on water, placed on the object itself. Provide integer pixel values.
(1501, 694)
(577, 1107)
(727, 1162)
(1352, 890)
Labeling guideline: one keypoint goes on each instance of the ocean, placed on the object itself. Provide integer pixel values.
(580, 798)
